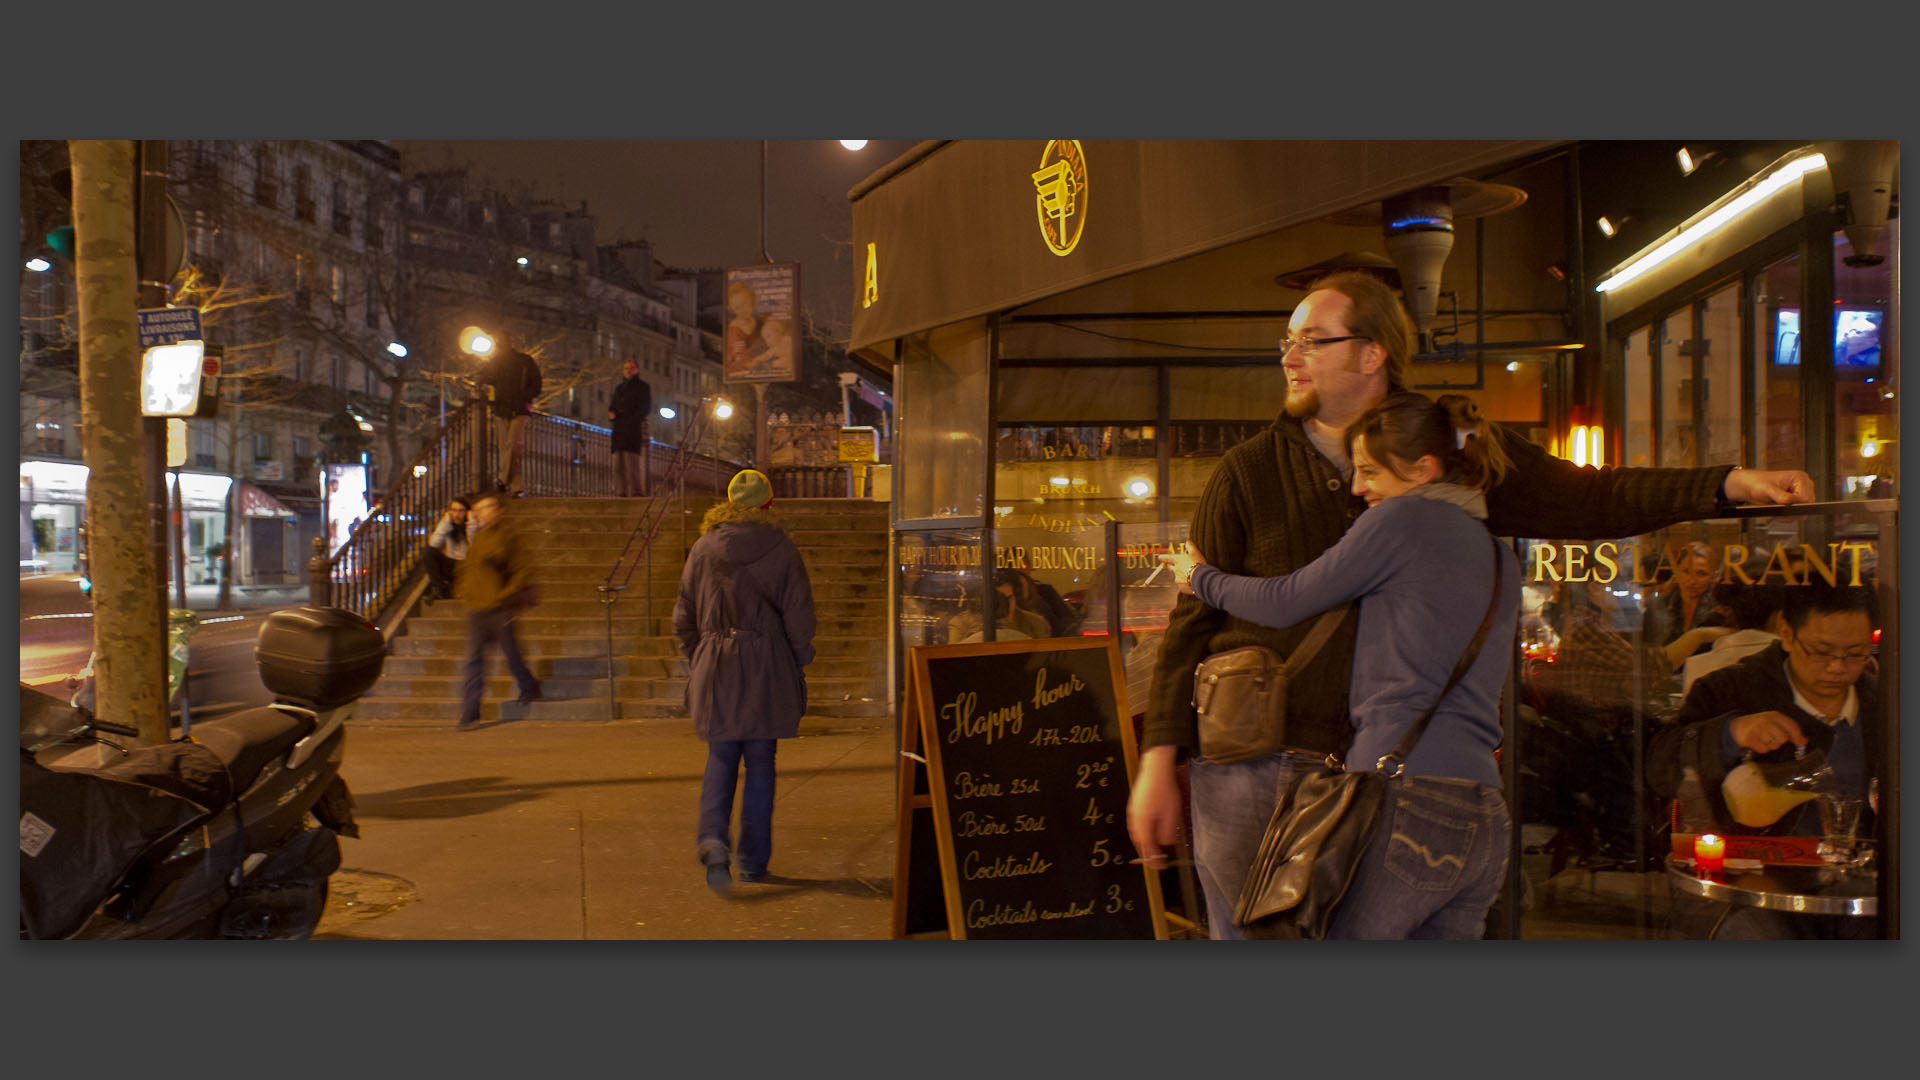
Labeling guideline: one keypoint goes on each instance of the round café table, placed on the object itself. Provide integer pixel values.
(1809, 890)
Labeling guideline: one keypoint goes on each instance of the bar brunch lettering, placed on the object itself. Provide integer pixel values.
(1605, 562)
(1034, 779)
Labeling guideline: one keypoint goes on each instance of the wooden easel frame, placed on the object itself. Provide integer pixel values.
(916, 721)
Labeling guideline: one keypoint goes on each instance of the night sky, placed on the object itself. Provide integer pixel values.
(697, 201)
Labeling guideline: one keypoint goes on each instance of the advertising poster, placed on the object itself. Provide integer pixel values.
(346, 501)
(762, 303)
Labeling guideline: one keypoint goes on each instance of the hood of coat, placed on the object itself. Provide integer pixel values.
(742, 533)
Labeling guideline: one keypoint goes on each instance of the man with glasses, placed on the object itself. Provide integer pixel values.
(1806, 697)
(1807, 693)
(1279, 499)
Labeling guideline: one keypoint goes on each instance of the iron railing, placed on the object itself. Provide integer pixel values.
(379, 558)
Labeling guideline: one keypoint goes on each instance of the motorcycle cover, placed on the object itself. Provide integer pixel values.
(82, 830)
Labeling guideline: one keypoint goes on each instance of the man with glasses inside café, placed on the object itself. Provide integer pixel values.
(1799, 704)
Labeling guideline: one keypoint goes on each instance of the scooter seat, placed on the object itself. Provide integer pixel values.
(246, 741)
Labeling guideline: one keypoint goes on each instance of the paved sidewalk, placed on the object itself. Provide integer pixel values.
(584, 830)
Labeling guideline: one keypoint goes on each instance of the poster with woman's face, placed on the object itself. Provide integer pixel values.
(761, 314)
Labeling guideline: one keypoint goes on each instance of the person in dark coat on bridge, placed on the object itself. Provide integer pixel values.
(629, 409)
(745, 623)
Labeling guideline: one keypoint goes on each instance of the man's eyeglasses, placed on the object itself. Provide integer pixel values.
(1854, 658)
(1308, 346)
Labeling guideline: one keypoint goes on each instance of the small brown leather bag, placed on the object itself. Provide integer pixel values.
(1241, 695)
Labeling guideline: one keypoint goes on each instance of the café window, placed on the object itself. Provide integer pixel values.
(1077, 446)
(1865, 372)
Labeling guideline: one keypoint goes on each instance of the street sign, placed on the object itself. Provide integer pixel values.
(165, 326)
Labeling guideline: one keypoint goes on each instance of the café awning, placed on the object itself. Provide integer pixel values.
(257, 503)
(955, 230)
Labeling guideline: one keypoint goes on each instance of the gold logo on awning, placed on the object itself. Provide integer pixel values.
(1061, 185)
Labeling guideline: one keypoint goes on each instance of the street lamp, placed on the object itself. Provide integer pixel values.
(722, 410)
(39, 265)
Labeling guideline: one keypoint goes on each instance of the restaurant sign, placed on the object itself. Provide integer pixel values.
(1061, 194)
(1844, 563)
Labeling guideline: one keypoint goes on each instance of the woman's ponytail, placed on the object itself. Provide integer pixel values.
(1480, 457)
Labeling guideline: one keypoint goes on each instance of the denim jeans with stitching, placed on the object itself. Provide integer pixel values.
(1231, 807)
(724, 759)
(1434, 865)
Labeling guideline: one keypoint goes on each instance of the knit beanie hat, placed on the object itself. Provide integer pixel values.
(750, 488)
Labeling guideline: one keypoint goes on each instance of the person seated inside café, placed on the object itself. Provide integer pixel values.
(1800, 702)
(1756, 612)
(1687, 600)
(1604, 682)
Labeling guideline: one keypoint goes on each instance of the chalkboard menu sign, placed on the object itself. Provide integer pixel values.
(1026, 748)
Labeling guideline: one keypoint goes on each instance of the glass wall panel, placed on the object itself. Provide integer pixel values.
(1676, 446)
(942, 400)
(1061, 477)
(1600, 706)
(1045, 578)
(1639, 400)
(1866, 354)
(1720, 362)
(1056, 394)
(939, 578)
(1776, 314)
(1212, 409)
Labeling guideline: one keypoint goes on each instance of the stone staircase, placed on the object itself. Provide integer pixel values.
(565, 637)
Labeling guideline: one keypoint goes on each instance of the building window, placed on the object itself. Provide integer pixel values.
(200, 443)
(339, 372)
(367, 380)
(263, 446)
(266, 189)
(302, 194)
(337, 284)
(49, 434)
(342, 217)
(299, 365)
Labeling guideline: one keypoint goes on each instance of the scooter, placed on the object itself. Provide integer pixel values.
(231, 832)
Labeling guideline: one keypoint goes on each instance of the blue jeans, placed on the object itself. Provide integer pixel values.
(1232, 805)
(1434, 866)
(756, 803)
(484, 628)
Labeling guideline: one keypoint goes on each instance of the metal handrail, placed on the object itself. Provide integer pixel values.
(383, 552)
(651, 518)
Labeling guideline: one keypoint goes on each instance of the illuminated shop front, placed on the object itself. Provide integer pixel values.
(1076, 332)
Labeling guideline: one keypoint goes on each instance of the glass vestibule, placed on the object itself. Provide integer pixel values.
(1593, 689)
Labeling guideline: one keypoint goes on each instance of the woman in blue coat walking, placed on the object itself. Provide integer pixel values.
(745, 623)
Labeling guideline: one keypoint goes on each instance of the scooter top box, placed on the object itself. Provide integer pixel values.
(319, 656)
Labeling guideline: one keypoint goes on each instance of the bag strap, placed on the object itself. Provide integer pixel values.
(1323, 628)
(1399, 754)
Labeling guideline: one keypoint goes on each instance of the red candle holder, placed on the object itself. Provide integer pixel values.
(1709, 853)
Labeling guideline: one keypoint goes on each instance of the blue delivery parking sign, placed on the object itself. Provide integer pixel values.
(164, 326)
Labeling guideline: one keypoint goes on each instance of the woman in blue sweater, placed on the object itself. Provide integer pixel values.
(1418, 561)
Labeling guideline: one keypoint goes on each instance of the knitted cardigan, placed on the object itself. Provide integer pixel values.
(1274, 503)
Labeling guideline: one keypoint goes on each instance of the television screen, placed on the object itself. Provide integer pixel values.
(1856, 338)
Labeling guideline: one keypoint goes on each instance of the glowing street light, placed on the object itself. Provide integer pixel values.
(667, 413)
(722, 409)
(39, 265)
(476, 341)
(396, 348)
(854, 144)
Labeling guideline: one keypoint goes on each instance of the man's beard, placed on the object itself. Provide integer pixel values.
(1303, 404)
